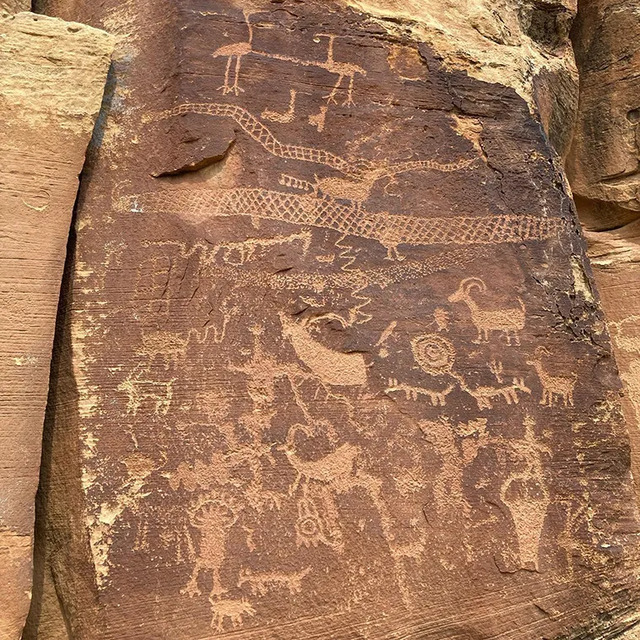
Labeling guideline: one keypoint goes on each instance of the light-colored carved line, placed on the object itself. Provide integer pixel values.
(263, 136)
(390, 230)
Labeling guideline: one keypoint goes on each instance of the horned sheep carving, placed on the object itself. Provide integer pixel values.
(510, 321)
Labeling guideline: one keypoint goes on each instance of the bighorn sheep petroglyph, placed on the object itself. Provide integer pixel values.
(510, 321)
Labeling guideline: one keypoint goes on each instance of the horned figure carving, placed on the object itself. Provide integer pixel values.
(509, 321)
(214, 520)
(560, 387)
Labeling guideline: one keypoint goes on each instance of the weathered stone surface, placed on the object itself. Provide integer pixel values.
(14, 6)
(522, 44)
(604, 171)
(615, 257)
(331, 364)
(52, 77)
(605, 156)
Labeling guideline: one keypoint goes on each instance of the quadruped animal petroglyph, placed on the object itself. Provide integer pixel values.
(436, 356)
(554, 387)
(509, 321)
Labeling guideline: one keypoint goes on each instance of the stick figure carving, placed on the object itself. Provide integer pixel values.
(236, 50)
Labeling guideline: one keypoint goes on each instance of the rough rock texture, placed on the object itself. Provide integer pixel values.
(14, 6)
(604, 169)
(605, 155)
(330, 363)
(52, 76)
(521, 44)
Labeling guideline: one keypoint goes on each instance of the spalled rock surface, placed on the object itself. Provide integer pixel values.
(522, 44)
(52, 77)
(331, 364)
(604, 170)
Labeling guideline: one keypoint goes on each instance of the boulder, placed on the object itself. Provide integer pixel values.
(51, 83)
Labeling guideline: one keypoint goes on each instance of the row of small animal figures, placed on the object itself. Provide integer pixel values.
(435, 355)
(555, 389)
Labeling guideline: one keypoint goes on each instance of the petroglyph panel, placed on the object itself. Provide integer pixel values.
(346, 340)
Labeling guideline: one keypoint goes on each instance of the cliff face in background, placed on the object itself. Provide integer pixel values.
(603, 168)
(52, 76)
(329, 360)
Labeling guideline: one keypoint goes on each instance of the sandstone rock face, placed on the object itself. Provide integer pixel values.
(331, 364)
(14, 6)
(51, 83)
(603, 168)
(605, 156)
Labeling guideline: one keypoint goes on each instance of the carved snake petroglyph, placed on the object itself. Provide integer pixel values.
(391, 230)
(260, 133)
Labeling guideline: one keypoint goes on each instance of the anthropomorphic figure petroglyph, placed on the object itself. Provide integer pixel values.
(525, 494)
(509, 321)
(213, 519)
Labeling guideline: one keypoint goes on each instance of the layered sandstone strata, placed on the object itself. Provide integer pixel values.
(52, 76)
(604, 170)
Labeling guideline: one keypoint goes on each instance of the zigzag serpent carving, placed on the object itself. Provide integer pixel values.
(261, 134)
(391, 230)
